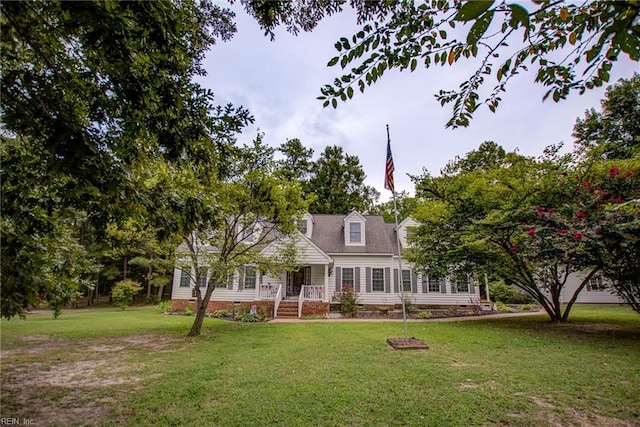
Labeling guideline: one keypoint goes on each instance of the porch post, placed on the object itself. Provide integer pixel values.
(326, 283)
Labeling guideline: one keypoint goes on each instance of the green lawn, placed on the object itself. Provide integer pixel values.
(137, 367)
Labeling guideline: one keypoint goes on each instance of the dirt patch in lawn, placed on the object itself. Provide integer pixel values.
(73, 382)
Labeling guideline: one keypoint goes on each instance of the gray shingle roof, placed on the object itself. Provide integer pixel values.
(328, 234)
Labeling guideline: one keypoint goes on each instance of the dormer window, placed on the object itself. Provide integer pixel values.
(354, 229)
(355, 232)
(303, 226)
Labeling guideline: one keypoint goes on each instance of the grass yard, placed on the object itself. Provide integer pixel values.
(137, 367)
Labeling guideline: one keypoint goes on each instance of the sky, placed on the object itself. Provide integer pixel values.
(279, 81)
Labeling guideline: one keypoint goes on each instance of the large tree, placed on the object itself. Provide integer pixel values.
(224, 221)
(337, 181)
(572, 46)
(96, 89)
(614, 131)
(472, 221)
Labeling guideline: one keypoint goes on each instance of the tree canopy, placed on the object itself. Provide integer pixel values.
(95, 90)
(532, 222)
(570, 47)
(614, 131)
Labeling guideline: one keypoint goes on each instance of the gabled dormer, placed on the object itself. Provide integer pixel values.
(354, 229)
(405, 229)
(305, 224)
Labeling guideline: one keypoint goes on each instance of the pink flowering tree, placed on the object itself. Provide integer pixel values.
(531, 222)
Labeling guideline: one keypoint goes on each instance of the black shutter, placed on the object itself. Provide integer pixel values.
(387, 279)
(367, 283)
(443, 286)
(395, 281)
(338, 279)
(356, 279)
(425, 283)
(241, 278)
(414, 282)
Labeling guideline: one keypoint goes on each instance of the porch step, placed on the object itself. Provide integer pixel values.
(288, 309)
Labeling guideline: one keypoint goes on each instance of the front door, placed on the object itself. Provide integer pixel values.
(295, 280)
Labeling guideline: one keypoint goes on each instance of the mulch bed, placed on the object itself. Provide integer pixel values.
(407, 344)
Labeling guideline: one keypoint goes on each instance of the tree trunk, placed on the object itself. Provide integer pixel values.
(149, 284)
(160, 292)
(203, 303)
(565, 316)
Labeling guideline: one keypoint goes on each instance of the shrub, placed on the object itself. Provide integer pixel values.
(124, 292)
(244, 314)
(529, 307)
(504, 308)
(188, 311)
(409, 307)
(164, 306)
(348, 300)
(220, 313)
(508, 294)
(424, 315)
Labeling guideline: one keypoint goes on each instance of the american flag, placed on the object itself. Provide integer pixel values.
(388, 173)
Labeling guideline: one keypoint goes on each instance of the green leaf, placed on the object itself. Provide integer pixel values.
(519, 14)
(479, 27)
(350, 92)
(333, 61)
(472, 9)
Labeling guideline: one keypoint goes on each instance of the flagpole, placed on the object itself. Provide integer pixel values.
(400, 281)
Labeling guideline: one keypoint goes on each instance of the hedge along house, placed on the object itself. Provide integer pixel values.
(354, 250)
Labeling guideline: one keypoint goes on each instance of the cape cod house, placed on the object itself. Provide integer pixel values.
(354, 250)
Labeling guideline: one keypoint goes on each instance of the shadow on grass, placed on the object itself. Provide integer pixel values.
(577, 328)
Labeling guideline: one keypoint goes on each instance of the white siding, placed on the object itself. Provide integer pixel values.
(179, 292)
(587, 296)
(308, 253)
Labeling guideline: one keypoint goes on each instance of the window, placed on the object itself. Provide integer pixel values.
(596, 284)
(302, 226)
(406, 280)
(202, 273)
(461, 282)
(435, 284)
(307, 275)
(354, 232)
(347, 276)
(224, 284)
(377, 278)
(249, 278)
(184, 279)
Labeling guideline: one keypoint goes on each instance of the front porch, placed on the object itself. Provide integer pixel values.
(312, 300)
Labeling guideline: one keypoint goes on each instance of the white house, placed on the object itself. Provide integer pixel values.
(333, 251)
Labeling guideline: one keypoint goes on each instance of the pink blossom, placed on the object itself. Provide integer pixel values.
(613, 171)
(577, 235)
(563, 232)
(531, 232)
(513, 249)
(579, 214)
(550, 211)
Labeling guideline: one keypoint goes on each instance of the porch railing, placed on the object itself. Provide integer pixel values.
(267, 291)
(312, 292)
(309, 293)
(276, 301)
